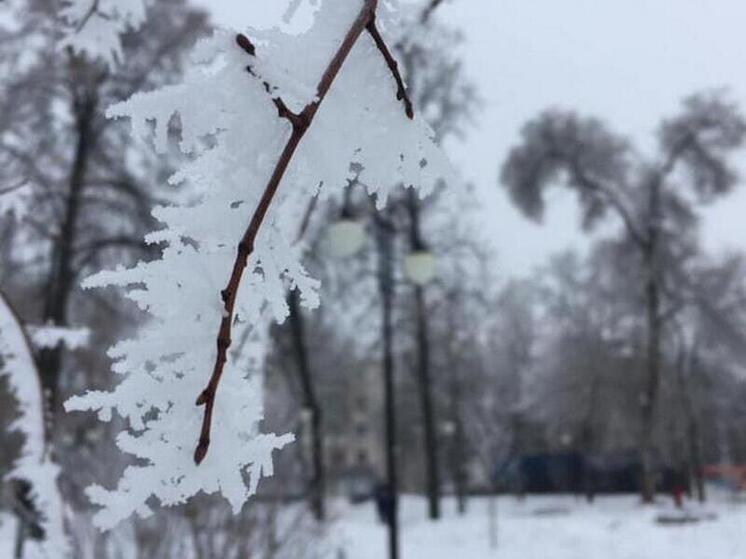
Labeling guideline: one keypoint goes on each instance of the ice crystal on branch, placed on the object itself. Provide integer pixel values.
(95, 26)
(15, 200)
(272, 107)
(34, 465)
(52, 336)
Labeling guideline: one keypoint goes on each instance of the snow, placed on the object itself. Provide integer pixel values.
(35, 464)
(230, 129)
(613, 528)
(51, 336)
(556, 527)
(95, 26)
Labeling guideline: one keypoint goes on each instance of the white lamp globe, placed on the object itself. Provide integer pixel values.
(346, 237)
(419, 267)
(448, 428)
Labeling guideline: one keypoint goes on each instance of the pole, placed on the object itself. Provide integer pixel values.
(310, 401)
(20, 538)
(385, 242)
(424, 377)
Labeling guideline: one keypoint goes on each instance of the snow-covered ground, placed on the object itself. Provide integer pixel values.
(537, 528)
(550, 528)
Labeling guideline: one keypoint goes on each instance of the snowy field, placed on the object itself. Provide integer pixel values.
(551, 528)
(538, 528)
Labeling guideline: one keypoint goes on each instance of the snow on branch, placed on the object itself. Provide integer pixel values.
(95, 26)
(300, 123)
(52, 336)
(14, 199)
(269, 121)
(430, 9)
(34, 465)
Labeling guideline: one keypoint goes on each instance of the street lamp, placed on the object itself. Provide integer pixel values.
(346, 237)
(420, 267)
(448, 428)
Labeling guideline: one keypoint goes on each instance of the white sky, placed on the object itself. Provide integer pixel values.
(627, 61)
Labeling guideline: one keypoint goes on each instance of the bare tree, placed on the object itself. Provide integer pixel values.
(648, 196)
(709, 320)
(90, 198)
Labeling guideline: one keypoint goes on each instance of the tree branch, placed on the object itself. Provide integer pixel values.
(14, 187)
(428, 11)
(611, 198)
(88, 15)
(306, 221)
(401, 93)
(675, 154)
(282, 109)
(300, 124)
(91, 250)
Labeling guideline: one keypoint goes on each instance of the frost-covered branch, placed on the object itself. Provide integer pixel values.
(52, 336)
(300, 122)
(34, 466)
(249, 177)
(429, 9)
(96, 26)
(401, 93)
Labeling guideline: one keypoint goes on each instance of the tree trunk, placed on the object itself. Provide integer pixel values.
(647, 446)
(424, 380)
(310, 402)
(695, 450)
(586, 436)
(686, 365)
(60, 281)
(654, 330)
(20, 539)
(458, 459)
(385, 243)
(589, 485)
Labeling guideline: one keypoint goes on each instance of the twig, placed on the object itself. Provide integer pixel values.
(282, 109)
(428, 11)
(17, 186)
(88, 15)
(401, 93)
(307, 218)
(291, 10)
(300, 123)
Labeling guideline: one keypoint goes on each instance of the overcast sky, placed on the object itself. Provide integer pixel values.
(627, 61)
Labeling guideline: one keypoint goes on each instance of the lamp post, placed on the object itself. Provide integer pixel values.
(385, 245)
(419, 267)
(346, 237)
